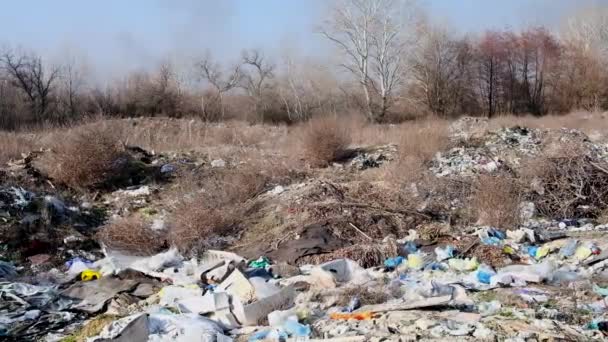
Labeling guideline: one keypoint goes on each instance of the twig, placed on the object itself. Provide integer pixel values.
(599, 167)
(360, 231)
(367, 206)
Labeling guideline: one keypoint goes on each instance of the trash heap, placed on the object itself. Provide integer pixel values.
(505, 148)
(547, 287)
(319, 272)
(498, 149)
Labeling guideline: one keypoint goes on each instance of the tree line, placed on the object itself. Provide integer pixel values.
(392, 64)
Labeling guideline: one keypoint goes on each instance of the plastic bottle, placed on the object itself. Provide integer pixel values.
(353, 305)
(293, 328)
(485, 274)
(569, 249)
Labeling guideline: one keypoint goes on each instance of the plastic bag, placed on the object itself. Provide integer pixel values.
(392, 263)
(463, 265)
(485, 274)
(415, 261)
(446, 253)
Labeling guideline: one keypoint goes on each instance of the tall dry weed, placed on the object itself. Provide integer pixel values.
(132, 234)
(418, 144)
(495, 200)
(87, 157)
(324, 140)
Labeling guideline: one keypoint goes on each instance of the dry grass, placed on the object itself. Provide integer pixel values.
(132, 234)
(366, 296)
(87, 157)
(13, 145)
(366, 255)
(324, 140)
(422, 140)
(496, 200)
(418, 144)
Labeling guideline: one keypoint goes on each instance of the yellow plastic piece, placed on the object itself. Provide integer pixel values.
(88, 275)
(583, 253)
(542, 252)
(414, 261)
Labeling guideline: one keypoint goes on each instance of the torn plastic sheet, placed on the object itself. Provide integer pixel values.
(29, 311)
(162, 327)
(346, 270)
(7, 270)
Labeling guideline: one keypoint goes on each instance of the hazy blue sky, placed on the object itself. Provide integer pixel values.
(137, 32)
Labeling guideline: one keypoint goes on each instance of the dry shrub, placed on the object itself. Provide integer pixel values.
(240, 185)
(88, 157)
(324, 140)
(132, 234)
(496, 200)
(194, 225)
(569, 182)
(213, 209)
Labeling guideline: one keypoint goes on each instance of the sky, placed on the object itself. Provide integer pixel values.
(115, 34)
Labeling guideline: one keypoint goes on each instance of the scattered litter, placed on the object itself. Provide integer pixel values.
(218, 163)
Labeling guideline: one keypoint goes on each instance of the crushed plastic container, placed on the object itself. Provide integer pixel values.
(569, 249)
(295, 329)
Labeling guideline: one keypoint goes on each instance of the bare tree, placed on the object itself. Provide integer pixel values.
(373, 36)
(213, 74)
(254, 81)
(305, 87)
(443, 73)
(588, 30)
(256, 76)
(27, 73)
(72, 82)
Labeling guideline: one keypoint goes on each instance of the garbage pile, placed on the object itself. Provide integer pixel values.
(372, 157)
(314, 260)
(546, 287)
(505, 148)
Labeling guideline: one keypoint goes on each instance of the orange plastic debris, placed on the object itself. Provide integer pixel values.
(359, 316)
